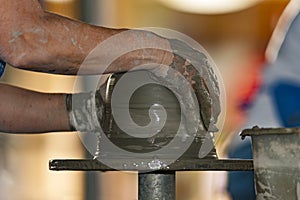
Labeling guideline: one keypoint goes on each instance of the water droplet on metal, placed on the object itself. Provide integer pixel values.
(125, 166)
(155, 164)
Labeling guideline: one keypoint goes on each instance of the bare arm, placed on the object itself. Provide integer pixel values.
(25, 111)
(37, 40)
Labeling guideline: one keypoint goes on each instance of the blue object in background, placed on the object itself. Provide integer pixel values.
(2, 67)
(241, 183)
(287, 102)
(278, 102)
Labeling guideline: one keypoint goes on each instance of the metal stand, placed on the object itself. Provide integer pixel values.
(179, 165)
(159, 184)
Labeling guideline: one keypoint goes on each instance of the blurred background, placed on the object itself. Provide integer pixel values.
(234, 35)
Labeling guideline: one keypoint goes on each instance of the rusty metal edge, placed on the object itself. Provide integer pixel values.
(268, 131)
(180, 165)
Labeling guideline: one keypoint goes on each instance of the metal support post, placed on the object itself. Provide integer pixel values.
(157, 186)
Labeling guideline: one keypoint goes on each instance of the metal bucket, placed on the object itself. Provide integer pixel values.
(276, 157)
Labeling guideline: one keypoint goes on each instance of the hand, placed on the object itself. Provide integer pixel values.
(192, 65)
(86, 111)
(197, 70)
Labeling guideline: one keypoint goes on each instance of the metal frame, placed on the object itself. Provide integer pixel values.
(159, 184)
(179, 165)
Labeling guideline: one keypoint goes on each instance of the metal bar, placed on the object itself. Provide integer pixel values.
(156, 186)
(180, 165)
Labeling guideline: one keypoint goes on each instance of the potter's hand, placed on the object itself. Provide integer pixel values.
(86, 111)
(197, 70)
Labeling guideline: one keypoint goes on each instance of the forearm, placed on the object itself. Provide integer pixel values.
(25, 111)
(41, 41)
(37, 40)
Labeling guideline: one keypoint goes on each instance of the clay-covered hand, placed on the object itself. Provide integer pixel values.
(196, 68)
(86, 111)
